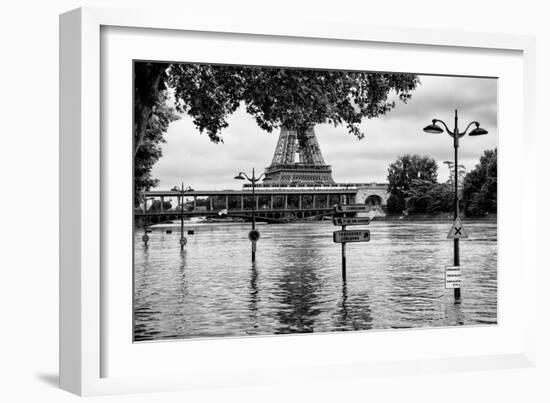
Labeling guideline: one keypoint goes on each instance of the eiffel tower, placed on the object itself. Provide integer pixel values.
(298, 164)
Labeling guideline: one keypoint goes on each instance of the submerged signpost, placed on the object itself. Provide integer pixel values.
(344, 236)
(453, 274)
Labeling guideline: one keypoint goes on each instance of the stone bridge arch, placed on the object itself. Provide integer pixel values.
(376, 194)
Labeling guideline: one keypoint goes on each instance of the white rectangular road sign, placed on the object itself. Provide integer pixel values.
(351, 208)
(361, 235)
(453, 277)
(351, 220)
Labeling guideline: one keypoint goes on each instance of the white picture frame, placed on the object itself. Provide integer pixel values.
(86, 342)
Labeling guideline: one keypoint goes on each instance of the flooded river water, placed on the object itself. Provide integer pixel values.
(396, 280)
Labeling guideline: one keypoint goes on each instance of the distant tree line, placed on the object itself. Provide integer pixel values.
(413, 187)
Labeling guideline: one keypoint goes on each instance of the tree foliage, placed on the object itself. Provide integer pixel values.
(403, 173)
(150, 151)
(396, 203)
(274, 97)
(155, 206)
(149, 86)
(426, 196)
(480, 186)
(413, 187)
(407, 168)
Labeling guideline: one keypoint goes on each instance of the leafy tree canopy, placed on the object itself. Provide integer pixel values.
(275, 97)
(405, 171)
(413, 187)
(150, 151)
(425, 196)
(407, 168)
(480, 186)
(149, 87)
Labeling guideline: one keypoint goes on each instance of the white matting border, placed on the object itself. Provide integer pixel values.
(86, 350)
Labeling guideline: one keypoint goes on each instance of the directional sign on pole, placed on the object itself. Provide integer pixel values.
(457, 230)
(351, 208)
(351, 220)
(362, 235)
(453, 277)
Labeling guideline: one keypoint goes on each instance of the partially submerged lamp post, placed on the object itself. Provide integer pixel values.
(183, 190)
(253, 235)
(456, 135)
(145, 237)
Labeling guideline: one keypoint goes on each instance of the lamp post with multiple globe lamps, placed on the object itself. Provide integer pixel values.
(456, 135)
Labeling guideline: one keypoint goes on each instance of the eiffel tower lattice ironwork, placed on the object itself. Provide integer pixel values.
(298, 163)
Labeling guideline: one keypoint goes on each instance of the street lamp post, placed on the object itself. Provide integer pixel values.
(253, 235)
(456, 135)
(145, 237)
(183, 190)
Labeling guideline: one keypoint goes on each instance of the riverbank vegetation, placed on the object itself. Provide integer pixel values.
(413, 187)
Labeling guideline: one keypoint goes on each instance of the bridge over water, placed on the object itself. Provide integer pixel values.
(272, 203)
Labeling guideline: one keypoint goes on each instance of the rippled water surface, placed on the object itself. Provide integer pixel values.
(394, 281)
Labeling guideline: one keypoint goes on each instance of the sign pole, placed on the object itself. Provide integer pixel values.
(182, 218)
(253, 213)
(343, 236)
(145, 237)
(343, 258)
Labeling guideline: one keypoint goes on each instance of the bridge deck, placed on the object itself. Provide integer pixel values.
(270, 202)
(248, 191)
(235, 212)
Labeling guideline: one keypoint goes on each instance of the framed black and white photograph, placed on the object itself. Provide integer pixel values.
(244, 204)
(275, 200)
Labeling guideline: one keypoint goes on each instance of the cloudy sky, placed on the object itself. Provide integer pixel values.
(190, 157)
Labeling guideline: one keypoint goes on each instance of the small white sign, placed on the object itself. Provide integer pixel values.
(362, 235)
(453, 277)
(351, 208)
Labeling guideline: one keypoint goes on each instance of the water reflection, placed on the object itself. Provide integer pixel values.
(298, 292)
(453, 312)
(354, 314)
(211, 289)
(253, 300)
